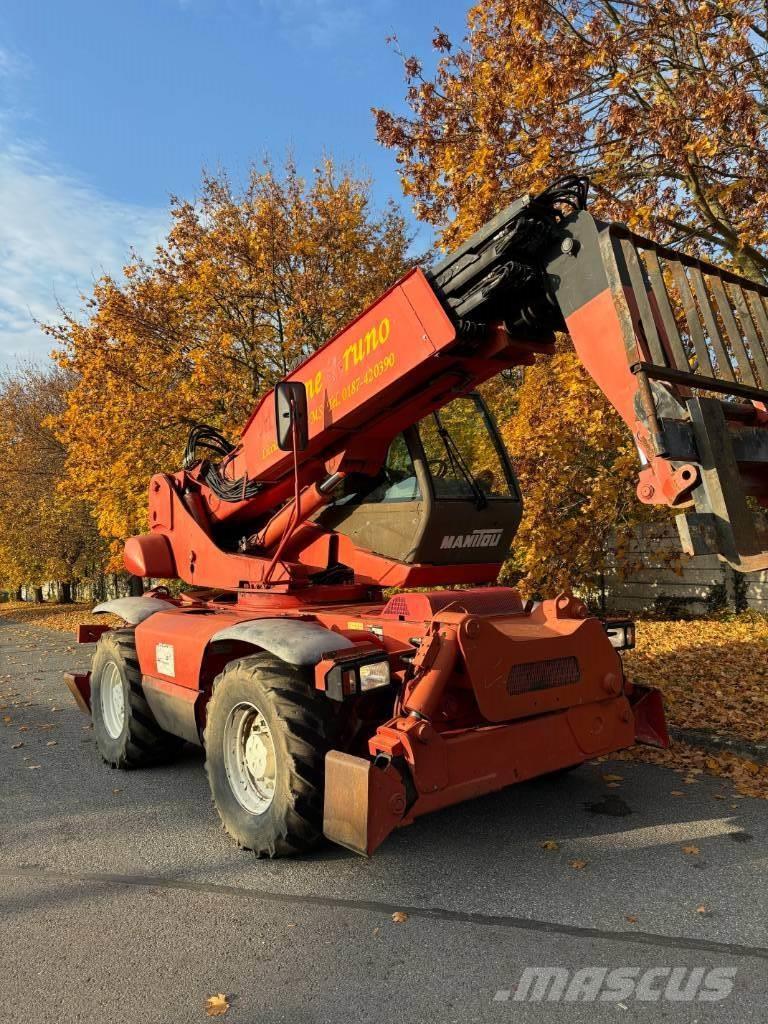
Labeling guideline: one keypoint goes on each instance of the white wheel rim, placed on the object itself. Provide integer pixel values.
(112, 700)
(249, 758)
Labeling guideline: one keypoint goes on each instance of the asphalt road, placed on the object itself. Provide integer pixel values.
(122, 900)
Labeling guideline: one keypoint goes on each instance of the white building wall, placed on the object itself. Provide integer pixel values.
(692, 584)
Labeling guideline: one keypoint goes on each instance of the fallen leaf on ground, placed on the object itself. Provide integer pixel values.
(691, 850)
(631, 918)
(549, 844)
(216, 1006)
(702, 909)
(577, 865)
(16, 746)
(712, 674)
(61, 618)
(613, 778)
(399, 917)
(684, 756)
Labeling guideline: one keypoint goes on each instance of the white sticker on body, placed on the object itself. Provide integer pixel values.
(164, 659)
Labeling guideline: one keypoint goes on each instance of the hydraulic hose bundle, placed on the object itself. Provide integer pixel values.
(209, 439)
(498, 274)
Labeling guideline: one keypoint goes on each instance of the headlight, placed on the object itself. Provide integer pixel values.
(374, 675)
(352, 671)
(621, 634)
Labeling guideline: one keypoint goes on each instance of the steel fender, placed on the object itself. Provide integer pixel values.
(134, 609)
(293, 640)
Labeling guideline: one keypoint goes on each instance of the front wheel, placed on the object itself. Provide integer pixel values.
(266, 736)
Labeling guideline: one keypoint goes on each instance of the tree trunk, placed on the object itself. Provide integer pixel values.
(66, 592)
(136, 586)
(37, 595)
(18, 594)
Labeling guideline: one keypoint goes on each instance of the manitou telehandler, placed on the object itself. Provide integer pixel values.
(325, 708)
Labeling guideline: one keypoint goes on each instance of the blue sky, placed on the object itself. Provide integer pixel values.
(107, 108)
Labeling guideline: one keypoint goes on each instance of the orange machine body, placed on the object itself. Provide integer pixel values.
(485, 690)
(492, 692)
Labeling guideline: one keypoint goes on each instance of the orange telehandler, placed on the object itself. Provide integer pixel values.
(326, 708)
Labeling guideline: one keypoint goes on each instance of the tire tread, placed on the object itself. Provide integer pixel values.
(308, 726)
(146, 743)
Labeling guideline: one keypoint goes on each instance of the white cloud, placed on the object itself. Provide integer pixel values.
(12, 63)
(323, 22)
(56, 235)
(319, 22)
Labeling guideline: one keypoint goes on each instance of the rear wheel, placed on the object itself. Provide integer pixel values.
(127, 733)
(266, 737)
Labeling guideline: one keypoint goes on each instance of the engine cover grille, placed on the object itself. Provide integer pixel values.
(542, 675)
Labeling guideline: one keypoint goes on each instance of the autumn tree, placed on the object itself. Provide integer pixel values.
(665, 106)
(247, 283)
(45, 535)
(578, 487)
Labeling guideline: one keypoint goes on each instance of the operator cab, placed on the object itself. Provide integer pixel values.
(445, 495)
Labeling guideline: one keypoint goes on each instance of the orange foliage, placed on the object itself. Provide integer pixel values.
(44, 534)
(713, 675)
(577, 467)
(246, 284)
(663, 104)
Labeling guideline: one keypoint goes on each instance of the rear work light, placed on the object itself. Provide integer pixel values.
(621, 633)
(348, 674)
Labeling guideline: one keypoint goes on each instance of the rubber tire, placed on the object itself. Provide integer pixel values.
(142, 742)
(300, 721)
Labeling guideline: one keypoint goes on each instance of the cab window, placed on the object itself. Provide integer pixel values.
(395, 481)
(461, 454)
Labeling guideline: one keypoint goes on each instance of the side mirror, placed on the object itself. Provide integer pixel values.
(291, 413)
